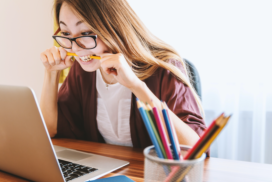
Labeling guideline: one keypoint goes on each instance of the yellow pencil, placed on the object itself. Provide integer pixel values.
(73, 54)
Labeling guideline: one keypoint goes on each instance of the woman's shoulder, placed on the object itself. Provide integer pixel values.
(167, 73)
(177, 64)
(163, 78)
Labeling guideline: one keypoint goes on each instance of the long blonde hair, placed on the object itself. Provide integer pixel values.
(118, 26)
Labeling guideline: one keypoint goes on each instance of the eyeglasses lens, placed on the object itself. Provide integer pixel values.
(66, 43)
(86, 42)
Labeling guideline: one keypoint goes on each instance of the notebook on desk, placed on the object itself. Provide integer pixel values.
(26, 149)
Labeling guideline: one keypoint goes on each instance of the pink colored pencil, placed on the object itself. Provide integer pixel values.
(162, 132)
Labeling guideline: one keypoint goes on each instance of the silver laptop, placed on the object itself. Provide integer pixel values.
(26, 149)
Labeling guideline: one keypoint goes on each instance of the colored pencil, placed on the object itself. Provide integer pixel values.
(170, 134)
(162, 131)
(149, 108)
(220, 123)
(151, 133)
(173, 130)
(152, 123)
(207, 133)
(149, 129)
(155, 128)
(209, 142)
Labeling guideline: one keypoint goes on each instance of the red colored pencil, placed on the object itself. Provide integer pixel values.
(203, 137)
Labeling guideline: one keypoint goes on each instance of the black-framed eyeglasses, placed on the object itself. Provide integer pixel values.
(85, 42)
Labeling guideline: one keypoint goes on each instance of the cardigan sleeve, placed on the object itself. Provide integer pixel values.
(70, 118)
(180, 99)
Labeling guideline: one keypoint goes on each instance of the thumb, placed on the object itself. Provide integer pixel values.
(69, 61)
(104, 54)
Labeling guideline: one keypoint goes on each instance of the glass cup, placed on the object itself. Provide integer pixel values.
(165, 170)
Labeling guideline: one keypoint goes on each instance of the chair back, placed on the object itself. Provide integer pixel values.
(194, 77)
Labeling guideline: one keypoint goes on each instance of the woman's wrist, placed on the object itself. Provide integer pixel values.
(141, 91)
(51, 77)
(138, 85)
(52, 74)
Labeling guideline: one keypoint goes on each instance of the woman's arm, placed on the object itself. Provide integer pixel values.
(186, 135)
(48, 102)
(54, 60)
(125, 76)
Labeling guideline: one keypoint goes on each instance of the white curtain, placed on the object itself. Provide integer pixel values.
(230, 43)
(248, 134)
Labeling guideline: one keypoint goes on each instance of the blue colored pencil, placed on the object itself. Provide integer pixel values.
(170, 134)
(173, 130)
(151, 133)
(149, 129)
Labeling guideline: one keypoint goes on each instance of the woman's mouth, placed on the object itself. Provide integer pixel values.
(85, 58)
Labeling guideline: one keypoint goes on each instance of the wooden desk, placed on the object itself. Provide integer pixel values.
(215, 170)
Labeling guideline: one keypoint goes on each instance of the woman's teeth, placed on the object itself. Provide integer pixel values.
(85, 58)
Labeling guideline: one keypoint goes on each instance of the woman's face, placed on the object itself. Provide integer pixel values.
(72, 26)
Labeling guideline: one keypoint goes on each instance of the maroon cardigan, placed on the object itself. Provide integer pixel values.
(77, 105)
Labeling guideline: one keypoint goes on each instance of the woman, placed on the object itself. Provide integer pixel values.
(97, 100)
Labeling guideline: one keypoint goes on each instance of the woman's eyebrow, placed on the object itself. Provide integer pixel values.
(79, 22)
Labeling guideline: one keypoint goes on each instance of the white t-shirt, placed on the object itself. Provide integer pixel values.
(113, 112)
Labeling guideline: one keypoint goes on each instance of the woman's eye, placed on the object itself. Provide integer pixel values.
(86, 33)
(65, 33)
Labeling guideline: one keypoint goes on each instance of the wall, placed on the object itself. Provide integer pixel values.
(26, 30)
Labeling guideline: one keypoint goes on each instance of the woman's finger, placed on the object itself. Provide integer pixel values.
(104, 55)
(68, 61)
(56, 55)
(112, 71)
(44, 61)
(50, 57)
(109, 66)
(63, 53)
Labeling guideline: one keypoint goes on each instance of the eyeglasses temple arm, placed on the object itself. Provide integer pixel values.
(57, 31)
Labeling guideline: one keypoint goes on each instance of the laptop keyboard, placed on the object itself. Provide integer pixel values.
(71, 170)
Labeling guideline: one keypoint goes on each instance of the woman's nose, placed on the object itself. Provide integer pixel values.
(75, 47)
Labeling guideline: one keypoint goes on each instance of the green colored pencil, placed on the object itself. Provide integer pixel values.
(152, 121)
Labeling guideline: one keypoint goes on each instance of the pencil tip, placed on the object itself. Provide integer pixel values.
(152, 104)
(162, 104)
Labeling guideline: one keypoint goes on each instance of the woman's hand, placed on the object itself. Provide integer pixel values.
(55, 59)
(116, 64)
